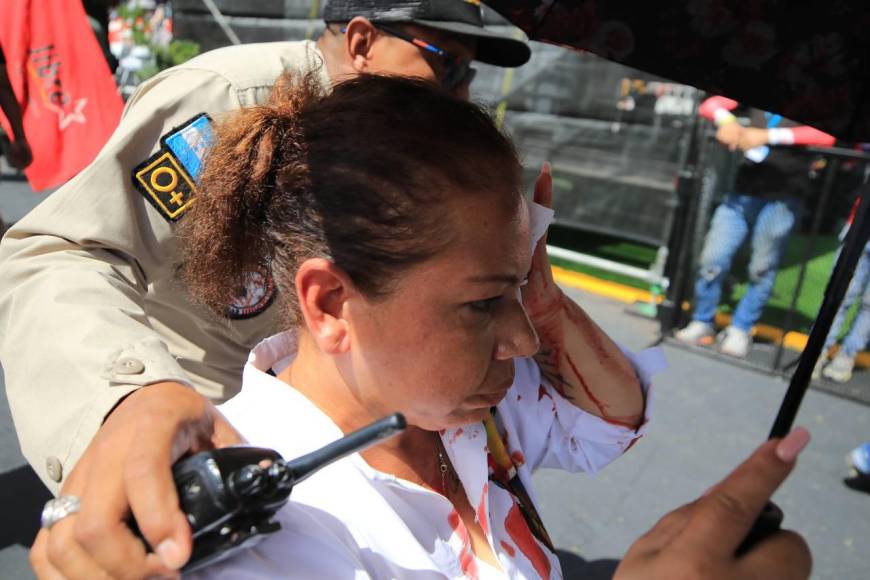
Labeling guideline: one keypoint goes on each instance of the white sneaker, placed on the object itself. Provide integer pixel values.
(735, 342)
(840, 368)
(820, 364)
(697, 332)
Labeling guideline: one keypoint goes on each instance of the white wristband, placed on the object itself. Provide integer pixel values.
(722, 116)
(780, 136)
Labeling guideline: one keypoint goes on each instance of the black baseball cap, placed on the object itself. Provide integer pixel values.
(460, 17)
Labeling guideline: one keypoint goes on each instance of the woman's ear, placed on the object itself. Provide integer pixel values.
(323, 289)
(360, 35)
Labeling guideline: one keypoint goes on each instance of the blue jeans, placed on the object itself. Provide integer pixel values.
(770, 220)
(859, 289)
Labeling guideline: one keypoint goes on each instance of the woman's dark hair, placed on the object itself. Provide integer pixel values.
(358, 176)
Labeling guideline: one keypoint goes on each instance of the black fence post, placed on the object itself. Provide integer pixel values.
(853, 247)
(831, 172)
(679, 268)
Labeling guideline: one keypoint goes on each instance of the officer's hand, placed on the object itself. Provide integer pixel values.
(126, 469)
(699, 540)
(752, 137)
(19, 154)
(728, 134)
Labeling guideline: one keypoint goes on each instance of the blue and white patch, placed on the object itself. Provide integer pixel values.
(168, 178)
(190, 143)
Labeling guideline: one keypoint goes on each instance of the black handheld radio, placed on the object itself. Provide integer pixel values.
(230, 495)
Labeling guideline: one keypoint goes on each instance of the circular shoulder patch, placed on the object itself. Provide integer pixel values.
(256, 296)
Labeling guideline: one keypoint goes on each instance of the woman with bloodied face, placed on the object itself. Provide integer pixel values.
(414, 278)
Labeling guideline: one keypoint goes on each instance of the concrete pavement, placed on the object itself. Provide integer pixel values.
(708, 417)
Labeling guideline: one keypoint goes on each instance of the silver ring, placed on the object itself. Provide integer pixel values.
(58, 508)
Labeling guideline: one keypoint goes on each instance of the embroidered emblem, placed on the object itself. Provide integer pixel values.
(167, 179)
(255, 297)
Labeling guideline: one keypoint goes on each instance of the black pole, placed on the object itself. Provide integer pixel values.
(853, 246)
(679, 247)
(827, 186)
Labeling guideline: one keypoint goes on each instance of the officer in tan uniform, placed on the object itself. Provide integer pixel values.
(91, 308)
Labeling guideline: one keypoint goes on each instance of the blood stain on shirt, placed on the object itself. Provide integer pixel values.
(632, 442)
(509, 549)
(542, 392)
(518, 530)
(466, 557)
(572, 443)
(455, 522)
(456, 435)
(482, 517)
(468, 563)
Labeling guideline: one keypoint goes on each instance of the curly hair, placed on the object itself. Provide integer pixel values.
(358, 176)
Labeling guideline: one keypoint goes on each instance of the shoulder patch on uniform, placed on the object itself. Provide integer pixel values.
(255, 297)
(167, 179)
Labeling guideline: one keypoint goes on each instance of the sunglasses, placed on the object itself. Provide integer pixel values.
(456, 72)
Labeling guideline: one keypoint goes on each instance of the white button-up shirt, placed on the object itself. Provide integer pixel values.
(349, 520)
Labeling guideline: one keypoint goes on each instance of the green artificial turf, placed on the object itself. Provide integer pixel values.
(600, 274)
(631, 253)
(820, 264)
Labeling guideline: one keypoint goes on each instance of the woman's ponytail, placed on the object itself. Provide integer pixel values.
(257, 152)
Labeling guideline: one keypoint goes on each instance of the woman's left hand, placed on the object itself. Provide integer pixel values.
(542, 298)
(576, 356)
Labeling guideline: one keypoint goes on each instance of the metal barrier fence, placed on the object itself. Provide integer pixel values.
(631, 157)
(780, 338)
(616, 136)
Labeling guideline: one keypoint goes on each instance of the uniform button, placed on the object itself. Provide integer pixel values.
(54, 469)
(129, 366)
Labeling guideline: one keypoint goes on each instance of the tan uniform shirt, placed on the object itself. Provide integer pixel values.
(91, 306)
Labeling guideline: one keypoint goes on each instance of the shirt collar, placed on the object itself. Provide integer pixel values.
(465, 446)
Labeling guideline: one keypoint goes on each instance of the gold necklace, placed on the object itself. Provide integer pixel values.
(446, 472)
